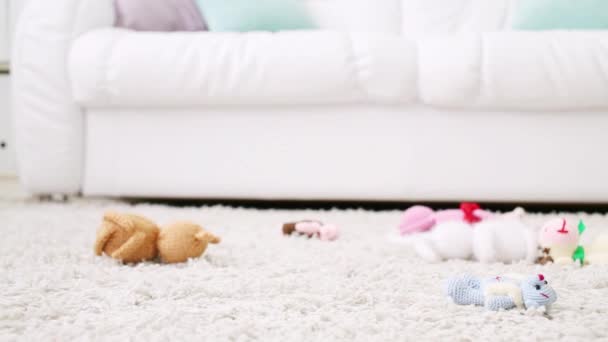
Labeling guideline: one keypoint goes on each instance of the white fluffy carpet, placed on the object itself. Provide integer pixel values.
(259, 285)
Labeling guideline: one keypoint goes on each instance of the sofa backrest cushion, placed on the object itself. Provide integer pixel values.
(413, 17)
(430, 17)
(378, 16)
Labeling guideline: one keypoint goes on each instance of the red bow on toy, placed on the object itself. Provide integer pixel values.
(468, 209)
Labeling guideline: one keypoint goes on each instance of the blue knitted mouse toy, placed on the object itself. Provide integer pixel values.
(501, 292)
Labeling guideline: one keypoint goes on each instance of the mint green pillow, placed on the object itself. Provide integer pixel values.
(256, 15)
(561, 14)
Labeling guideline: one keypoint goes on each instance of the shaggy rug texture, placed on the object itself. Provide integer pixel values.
(259, 285)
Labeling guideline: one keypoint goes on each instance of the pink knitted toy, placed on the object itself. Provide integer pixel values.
(558, 239)
(419, 218)
(325, 232)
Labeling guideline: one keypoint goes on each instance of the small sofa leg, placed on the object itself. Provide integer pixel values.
(60, 198)
(43, 198)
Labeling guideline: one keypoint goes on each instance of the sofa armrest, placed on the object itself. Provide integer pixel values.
(49, 128)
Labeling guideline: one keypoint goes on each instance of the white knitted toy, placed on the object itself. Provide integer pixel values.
(504, 238)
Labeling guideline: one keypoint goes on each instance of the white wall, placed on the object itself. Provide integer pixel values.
(4, 31)
(14, 9)
(9, 10)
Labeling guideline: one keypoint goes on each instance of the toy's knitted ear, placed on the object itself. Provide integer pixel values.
(581, 227)
(207, 237)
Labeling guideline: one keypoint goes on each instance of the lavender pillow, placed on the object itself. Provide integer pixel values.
(159, 15)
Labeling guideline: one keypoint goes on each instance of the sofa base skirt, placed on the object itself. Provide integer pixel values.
(347, 153)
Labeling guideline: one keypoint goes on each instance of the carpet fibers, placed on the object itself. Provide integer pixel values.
(259, 285)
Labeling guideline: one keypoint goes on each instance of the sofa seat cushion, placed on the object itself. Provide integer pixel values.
(115, 67)
(557, 70)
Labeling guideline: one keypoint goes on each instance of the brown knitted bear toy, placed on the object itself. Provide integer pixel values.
(132, 238)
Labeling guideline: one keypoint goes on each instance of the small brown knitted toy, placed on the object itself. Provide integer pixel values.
(545, 256)
(310, 228)
(126, 237)
(183, 240)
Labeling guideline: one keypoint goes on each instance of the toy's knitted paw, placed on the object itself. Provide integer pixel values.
(127, 237)
(535, 311)
(496, 303)
(424, 248)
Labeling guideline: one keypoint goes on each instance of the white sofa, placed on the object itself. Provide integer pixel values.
(391, 100)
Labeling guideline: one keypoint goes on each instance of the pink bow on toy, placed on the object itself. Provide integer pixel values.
(326, 232)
